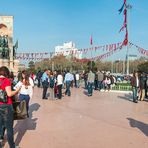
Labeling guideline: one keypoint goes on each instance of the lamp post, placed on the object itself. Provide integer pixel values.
(52, 63)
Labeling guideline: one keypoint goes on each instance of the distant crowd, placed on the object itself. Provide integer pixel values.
(58, 80)
(98, 80)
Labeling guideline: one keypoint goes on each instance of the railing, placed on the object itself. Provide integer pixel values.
(122, 88)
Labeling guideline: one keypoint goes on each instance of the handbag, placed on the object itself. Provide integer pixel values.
(20, 110)
(3, 94)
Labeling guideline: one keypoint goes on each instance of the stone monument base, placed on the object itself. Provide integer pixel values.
(4, 62)
(13, 66)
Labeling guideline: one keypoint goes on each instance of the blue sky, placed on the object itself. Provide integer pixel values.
(40, 25)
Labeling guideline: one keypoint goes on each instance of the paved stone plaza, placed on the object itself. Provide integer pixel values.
(105, 120)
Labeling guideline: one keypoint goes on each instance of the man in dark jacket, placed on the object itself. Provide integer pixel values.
(135, 86)
(142, 80)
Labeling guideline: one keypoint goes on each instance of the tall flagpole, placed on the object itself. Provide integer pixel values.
(91, 42)
(125, 43)
(128, 7)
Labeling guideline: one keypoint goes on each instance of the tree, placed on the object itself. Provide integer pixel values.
(91, 65)
(31, 65)
(143, 67)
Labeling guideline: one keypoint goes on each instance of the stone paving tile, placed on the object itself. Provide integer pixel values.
(105, 120)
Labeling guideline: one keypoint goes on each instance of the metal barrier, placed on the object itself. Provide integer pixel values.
(122, 88)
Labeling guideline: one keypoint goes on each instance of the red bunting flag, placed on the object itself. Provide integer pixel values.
(91, 42)
(125, 42)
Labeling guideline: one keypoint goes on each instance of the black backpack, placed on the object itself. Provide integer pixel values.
(51, 82)
(3, 94)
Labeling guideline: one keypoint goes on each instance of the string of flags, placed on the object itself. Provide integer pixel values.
(110, 49)
(106, 55)
(31, 56)
(40, 56)
(140, 50)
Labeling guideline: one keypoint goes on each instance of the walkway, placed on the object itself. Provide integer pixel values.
(105, 120)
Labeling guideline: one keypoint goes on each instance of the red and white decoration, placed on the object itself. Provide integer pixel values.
(31, 56)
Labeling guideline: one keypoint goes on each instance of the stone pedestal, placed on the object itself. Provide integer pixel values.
(12, 66)
(4, 62)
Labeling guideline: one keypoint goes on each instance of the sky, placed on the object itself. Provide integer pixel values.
(40, 25)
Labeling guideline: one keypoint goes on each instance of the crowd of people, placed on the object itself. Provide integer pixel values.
(98, 80)
(55, 85)
(58, 80)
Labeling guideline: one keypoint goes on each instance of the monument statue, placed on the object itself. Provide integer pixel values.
(4, 48)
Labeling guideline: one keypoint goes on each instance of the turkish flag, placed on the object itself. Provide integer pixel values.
(91, 42)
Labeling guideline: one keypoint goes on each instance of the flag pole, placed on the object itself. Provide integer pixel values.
(128, 7)
(91, 50)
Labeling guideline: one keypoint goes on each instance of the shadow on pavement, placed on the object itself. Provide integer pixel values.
(85, 92)
(140, 125)
(28, 124)
(126, 97)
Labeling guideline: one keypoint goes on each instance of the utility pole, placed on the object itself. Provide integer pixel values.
(52, 62)
(112, 67)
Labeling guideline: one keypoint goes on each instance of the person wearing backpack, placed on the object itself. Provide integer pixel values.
(6, 108)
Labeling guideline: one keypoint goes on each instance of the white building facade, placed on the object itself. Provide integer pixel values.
(69, 50)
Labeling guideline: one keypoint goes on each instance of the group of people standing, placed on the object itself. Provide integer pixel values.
(58, 80)
(139, 83)
(98, 81)
(21, 88)
(55, 81)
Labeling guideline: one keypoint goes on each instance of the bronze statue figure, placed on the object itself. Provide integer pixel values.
(4, 49)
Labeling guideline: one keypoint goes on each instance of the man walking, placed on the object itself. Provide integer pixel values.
(68, 80)
(91, 79)
(45, 83)
(135, 86)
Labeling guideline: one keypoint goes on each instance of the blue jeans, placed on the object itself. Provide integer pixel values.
(6, 122)
(85, 82)
(26, 98)
(100, 85)
(96, 84)
(68, 84)
(77, 83)
(135, 94)
(90, 88)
